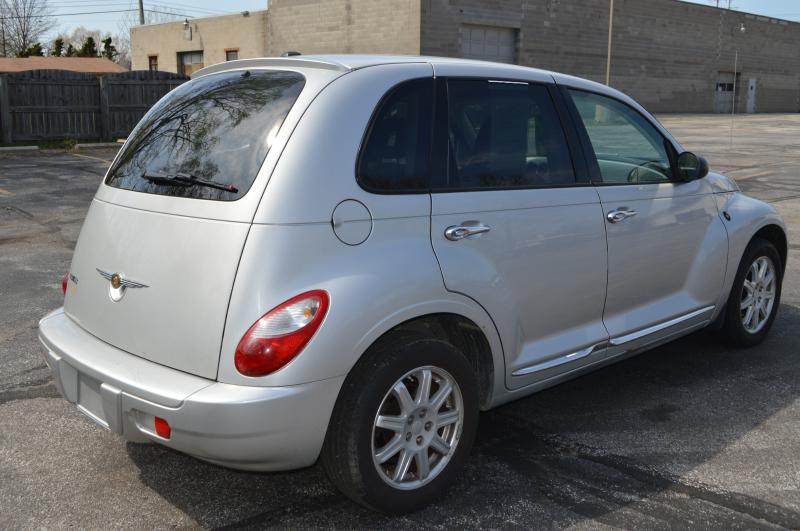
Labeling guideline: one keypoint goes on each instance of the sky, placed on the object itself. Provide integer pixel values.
(786, 9)
(106, 21)
(106, 15)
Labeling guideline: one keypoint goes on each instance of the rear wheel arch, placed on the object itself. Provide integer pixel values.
(461, 332)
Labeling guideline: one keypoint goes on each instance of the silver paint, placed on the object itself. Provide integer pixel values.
(554, 287)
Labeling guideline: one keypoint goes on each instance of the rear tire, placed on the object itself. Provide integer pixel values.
(396, 453)
(755, 296)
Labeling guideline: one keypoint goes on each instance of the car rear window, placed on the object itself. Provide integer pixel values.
(207, 138)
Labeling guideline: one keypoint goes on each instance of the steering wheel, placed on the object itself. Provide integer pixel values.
(652, 165)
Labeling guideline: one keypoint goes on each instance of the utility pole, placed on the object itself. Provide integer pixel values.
(610, 33)
(742, 30)
(141, 12)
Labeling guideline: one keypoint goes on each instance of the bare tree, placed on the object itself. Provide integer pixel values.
(154, 15)
(23, 23)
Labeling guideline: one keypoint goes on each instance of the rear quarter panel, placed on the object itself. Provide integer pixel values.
(388, 279)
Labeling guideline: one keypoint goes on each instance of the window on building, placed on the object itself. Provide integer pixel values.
(189, 62)
(505, 135)
(231, 55)
(152, 63)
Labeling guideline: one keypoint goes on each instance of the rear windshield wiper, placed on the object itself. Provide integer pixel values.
(184, 179)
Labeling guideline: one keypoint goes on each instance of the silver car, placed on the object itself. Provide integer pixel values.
(346, 258)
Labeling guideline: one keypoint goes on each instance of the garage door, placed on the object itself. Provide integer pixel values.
(489, 43)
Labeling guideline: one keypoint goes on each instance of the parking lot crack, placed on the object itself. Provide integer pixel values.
(43, 388)
(755, 508)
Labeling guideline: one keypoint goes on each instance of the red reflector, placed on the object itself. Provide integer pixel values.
(64, 281)
(162, 428)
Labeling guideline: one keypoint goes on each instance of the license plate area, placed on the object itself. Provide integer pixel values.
(90, 399)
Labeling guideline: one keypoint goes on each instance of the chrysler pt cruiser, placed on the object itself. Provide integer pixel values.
(346, 258)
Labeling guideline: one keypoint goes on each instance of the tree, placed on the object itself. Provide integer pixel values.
(88, 48)
(111, 47)
(156, 15)
(109, 50)
(79, 35)
(22, 24)
(34, 50)
(58, 47)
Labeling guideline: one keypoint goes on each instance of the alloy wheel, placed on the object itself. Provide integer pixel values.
(417, 428)
(758, 294)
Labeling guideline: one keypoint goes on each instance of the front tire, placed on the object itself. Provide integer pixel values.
(755, 295)
(403, 425)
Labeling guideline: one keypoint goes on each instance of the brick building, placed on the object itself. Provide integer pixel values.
(672, 56)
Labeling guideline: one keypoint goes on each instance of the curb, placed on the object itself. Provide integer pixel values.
(12, 149)
(98, 145)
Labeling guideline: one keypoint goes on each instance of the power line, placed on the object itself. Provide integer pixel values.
(15, 17)
(199, 12)
(170, 5)
(193, 8)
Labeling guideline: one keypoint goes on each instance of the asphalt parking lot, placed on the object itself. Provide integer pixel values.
(690, 434)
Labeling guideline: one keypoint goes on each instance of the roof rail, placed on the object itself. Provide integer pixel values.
(271, 61)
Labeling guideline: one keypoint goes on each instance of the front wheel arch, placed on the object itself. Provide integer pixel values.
(777, 237)
(729, 324)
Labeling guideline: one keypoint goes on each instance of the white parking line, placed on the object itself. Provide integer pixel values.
(90, 157)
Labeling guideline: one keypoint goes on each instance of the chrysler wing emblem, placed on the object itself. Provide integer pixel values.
(118, 284)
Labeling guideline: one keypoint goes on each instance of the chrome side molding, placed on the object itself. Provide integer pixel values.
(555, 362)
(616, 341)
(633, 336)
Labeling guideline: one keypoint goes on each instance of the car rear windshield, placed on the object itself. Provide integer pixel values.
(207, 138)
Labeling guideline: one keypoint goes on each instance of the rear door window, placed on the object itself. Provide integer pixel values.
(504, 134)
(394, 156)
(208, 138)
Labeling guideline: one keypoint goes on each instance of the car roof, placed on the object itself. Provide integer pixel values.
(343, 63)
(348, 62)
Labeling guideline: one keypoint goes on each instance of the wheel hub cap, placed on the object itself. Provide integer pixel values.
(417, 427)
(758, 294)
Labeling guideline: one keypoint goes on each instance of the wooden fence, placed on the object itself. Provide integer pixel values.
(56, 104)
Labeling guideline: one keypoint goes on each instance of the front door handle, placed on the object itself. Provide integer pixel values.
(620, 214)
(467, 229)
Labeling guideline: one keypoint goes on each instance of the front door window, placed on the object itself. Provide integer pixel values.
(628, 148)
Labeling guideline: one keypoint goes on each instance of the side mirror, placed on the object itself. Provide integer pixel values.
(691, 167)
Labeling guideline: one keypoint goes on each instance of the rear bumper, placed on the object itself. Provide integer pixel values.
(249, 428)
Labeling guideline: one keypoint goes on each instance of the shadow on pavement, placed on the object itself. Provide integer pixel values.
(612, 446)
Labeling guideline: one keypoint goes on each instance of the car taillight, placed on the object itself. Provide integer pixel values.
(64, 283)
(280, 335)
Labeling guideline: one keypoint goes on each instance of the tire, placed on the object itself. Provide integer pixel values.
(734, 330)
(353, 439)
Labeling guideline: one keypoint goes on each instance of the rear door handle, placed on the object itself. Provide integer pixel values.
(620, 214)
(466, 230)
